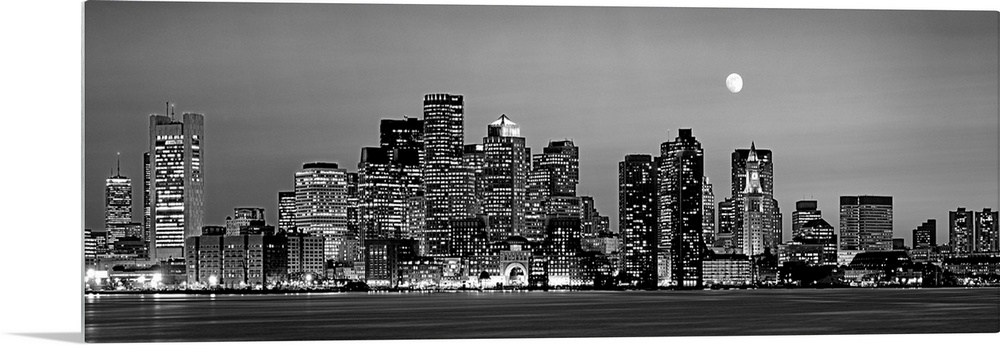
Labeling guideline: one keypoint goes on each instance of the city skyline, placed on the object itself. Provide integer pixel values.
(819, 169)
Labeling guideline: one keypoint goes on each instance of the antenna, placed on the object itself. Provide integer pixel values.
(119, 158)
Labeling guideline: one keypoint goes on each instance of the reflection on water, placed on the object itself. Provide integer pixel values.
(312, 316)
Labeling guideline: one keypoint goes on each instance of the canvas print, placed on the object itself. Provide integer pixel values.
(258, 171)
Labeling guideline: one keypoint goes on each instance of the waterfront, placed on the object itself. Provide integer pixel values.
(165, 317)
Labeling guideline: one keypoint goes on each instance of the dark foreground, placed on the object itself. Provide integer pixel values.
(331, 316)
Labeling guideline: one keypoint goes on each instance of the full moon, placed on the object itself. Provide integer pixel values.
(734, 82)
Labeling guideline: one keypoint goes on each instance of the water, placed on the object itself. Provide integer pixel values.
(339, 316)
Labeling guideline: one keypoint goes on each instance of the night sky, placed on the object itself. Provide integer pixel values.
(900, 103)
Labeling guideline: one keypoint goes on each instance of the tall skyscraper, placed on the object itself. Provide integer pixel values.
(117, 199)
(756, 211)
(444, 137)
(805, 210)
(765, 172)
(708, 212)
(286, 210)
(147, 220)
(866, 223)
(637, 218)
(505, 169)
(321, 206)
(402, 135)
(925, 235)
(681, 217)
(727, 225)
(177, 182)
(987, 234)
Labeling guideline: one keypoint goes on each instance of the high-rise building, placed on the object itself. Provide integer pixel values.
(382, 195)
(147, 222)
(177, 182)
(727, 225)
(866, 223)
(637, 218)
(805, 210)
(505, 170)
(551, 182)
(321, 202)
(770, 227)
(473, 159)
(756, 211)
(708, 212)
(961, 230)
(117, 199)
(444, 191)
(925, 235)
(987, 234)
(242, 216)
(681, 215)
(286, 211)
(402, 135)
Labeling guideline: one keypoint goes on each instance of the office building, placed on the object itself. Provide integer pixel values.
(757, 221)
(473, 159)
(681, 220)
(818, 232)
(987, 235)
(805, 211)
(637, 218)
(769, 225)
(925, 235)
(321, 203)
(444, 190)
(242, 216)
(286, 211)
(961, 231)
(177, 182)
(866, 223)
(708, 212)
(305, 255)
(117, 199)
(505, 170)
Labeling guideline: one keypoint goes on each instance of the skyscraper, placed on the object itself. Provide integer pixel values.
(637, 218)
(680, 175)
(147, 220)
(473, 159)
(961, 231)
(443, 191)
(866, 223)
(987, 234)
(402, 135)
(505, 170)
(708, 212)
(554, 174)
(925, 235)
(321, 206)
(765, 171)
(756, 211)
(817, 232)
(117, 199)
(286, 210)
(805, 210)
(177, 182)
(727, 225)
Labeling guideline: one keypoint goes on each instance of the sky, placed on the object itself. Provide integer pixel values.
(900, 103)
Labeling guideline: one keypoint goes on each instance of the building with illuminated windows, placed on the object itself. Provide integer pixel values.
(637, 218)
(242, 216)
(321, 203)
(118, 202)
(286, 211)
(681, 172)
(755, 208)
(925, 235)
(805, 211)
(505, 170)
(473, 159)
(707, 212)
(305, 255)
(176, 182)
(388, 175)
(987, 234)
(551, 186)
(727, 225)
(770, 227)
(866, 223)
(445, 194)
(818, 232)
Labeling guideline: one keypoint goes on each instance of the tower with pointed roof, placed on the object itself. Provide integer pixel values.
(505, 170)
(763, 182)
(117, 199)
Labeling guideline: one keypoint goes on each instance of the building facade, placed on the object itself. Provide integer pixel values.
(679, 202)
(177, 182)
(637, 219)
(505, 171)
(866, 223)
(444, 137)
(321, 203)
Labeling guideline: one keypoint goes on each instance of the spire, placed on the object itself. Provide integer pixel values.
(753, 153)
(119, 159)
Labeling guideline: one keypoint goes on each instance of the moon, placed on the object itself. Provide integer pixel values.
(734, 82)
